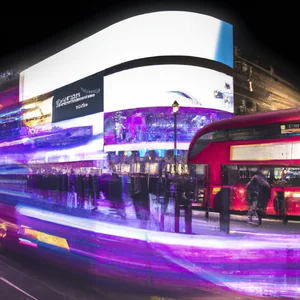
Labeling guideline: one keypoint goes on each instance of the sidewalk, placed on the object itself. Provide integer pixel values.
(125, 213)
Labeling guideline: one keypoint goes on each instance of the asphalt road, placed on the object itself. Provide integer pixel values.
(24, 278)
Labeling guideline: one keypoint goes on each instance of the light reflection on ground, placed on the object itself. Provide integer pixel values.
(112, 241)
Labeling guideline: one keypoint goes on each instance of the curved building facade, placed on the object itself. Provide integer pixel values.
(108, 98)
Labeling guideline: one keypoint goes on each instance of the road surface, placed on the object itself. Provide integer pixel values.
(24, 278)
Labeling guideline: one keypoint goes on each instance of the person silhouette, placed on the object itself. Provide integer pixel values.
(258, 195)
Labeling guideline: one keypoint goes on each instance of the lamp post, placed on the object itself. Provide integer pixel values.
(175, 107)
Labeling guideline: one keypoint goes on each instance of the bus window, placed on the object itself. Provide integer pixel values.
(292, 176)
(241, 174)
(287, 176)
(200, 144)
(250, 133)
(200, 177)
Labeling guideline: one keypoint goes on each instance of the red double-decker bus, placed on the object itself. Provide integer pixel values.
(228, 153)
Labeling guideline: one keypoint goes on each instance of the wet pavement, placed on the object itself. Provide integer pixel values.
(119, 246)
(25, 278)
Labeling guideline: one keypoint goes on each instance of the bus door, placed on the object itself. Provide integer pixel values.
(285, 200)
(275, 203)
(200, 174)
(286, 192)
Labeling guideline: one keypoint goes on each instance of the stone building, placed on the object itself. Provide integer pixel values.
(257, 89)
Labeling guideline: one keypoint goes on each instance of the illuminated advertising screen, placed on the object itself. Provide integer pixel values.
(70, 140)
(160, 85)
(78, 99)
(37, 111)
(150, 35)
(30, 135)
(10, 122)
(86, 148)
(153, 127)
(60, 126)
(138, 105)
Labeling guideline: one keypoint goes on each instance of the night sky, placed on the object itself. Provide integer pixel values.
(263, 31)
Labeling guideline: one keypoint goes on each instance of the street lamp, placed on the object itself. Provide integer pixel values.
(175, 107)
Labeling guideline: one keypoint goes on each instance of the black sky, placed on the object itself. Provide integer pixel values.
(263, 30)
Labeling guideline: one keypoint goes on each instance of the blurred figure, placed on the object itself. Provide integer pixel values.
(258, 195)
(110, 186)
(72, 195)
(140, 197)
(95, 190)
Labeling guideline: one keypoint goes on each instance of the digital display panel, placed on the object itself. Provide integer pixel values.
(70, 140)
(37, 112)
(10, 122)
(78, 99)
(153, 128)
(160, 85)
(88, 149)
(164, 33)
(138, 105)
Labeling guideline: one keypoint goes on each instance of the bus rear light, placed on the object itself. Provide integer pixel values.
(241, 191)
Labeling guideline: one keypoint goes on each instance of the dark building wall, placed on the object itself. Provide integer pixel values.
(257, 89)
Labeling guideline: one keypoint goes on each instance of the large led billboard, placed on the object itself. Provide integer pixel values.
(37, 112)
(80, 98)
(127, 110)
(50, 128)
(69, 140)
(165, 33)
(76, 139)
(152, 128)
(138, 112)
(160, 85)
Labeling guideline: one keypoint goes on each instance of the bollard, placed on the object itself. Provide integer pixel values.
(224, 199)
